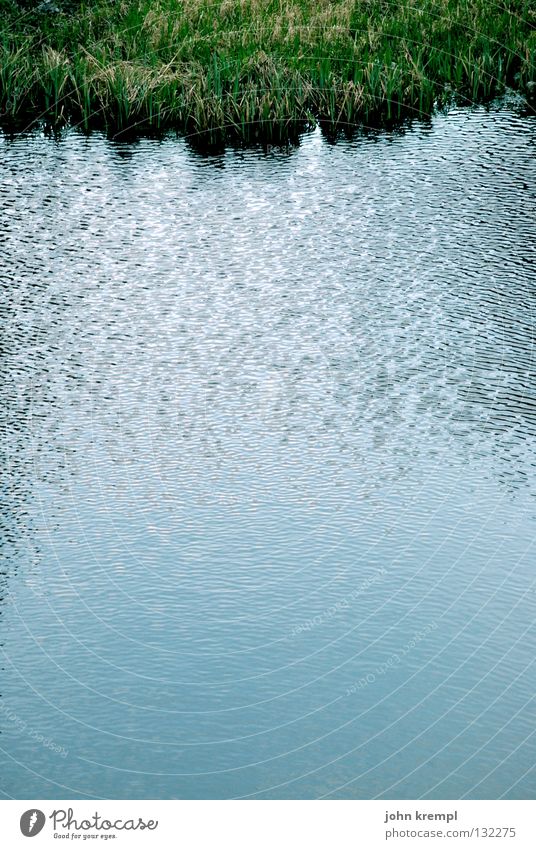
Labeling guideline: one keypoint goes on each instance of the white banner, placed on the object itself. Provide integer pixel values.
(270, 824)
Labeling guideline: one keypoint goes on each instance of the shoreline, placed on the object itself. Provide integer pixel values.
(257, 71)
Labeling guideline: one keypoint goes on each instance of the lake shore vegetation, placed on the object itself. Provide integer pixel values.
(256, 69)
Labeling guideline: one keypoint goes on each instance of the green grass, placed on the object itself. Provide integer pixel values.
(258, 69)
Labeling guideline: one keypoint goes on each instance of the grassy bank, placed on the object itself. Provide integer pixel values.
(257, 68)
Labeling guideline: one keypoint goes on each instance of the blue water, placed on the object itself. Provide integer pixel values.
(269, 503)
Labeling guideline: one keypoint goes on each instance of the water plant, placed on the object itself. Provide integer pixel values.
(256, 69)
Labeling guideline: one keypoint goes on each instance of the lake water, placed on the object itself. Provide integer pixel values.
(269, 509)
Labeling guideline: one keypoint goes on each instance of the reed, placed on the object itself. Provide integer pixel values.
(257, 69)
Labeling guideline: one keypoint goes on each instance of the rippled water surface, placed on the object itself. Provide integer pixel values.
(269, 508)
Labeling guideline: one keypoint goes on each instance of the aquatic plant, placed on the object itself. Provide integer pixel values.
(257, 69)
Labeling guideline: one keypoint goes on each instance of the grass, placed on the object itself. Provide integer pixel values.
(257, 69)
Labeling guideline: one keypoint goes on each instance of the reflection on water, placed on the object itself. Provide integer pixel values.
(269, 501)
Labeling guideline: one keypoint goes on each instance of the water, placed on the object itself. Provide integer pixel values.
(269, 508)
